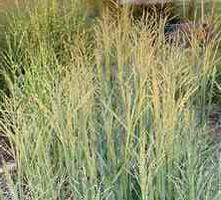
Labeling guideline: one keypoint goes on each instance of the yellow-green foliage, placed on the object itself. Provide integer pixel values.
(103, 110)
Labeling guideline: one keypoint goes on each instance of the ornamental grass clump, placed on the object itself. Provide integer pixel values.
(106, 110)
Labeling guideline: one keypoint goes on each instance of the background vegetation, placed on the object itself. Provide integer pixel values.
(103, 110)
